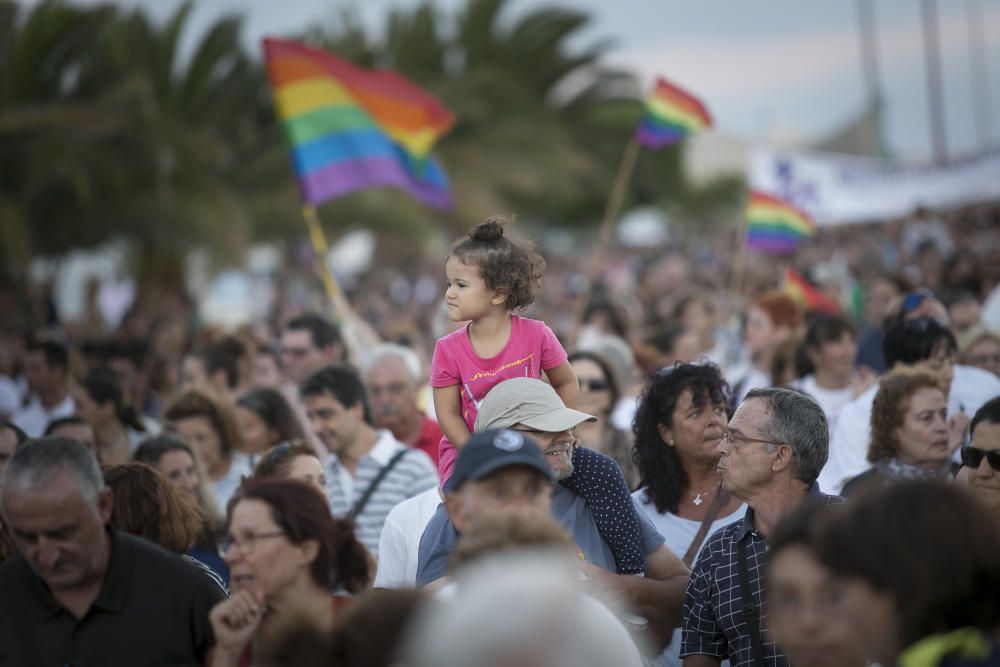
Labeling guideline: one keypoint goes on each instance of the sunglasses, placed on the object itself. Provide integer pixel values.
(973, 456)
(594, 385)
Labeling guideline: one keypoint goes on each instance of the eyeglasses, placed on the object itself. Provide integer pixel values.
(248, 542)
(731, 439)
(973, 456)
(913, 300)
(594, 385)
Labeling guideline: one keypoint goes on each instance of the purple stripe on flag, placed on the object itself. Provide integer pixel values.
(344, 177)
(775, 246)
(652, 139)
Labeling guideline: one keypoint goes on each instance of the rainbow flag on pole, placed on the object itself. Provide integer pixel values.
(671, 114)
(350, 128)
(774, 225)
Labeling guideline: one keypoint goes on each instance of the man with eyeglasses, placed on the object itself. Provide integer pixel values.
(982, 456)
(81, 592)
(770, 455)
(532, 407)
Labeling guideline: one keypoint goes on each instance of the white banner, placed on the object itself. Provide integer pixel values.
(840, 189)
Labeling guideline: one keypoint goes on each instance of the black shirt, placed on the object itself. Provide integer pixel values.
(152, 610)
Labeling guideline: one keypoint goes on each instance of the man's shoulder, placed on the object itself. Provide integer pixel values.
(161, 563)
(13, 572)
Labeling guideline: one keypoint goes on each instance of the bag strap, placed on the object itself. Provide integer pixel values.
(366, 496)
(749, 608)
(721, 498)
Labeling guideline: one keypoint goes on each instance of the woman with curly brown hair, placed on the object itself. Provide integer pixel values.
(209, 425)
(910, 434)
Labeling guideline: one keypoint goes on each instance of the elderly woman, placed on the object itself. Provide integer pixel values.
(287, 555)
(680, 420)
(209, 425)
(599, 394)
(919, 573)
(802, 615)
(291, 461)
(910, 435)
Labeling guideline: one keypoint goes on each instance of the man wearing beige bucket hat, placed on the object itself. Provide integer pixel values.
(532, 407)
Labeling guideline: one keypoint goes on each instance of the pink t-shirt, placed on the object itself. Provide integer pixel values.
(531, 349)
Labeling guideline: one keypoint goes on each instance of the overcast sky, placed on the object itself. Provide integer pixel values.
(764, 67)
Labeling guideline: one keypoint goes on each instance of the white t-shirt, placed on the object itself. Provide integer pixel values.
(33, 419)
(679, 533)
(970, 388)
(754, 379)
(226, 487)
(831, 400)
(400, 539)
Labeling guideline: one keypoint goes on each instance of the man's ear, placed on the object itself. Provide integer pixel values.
(334, 353)
(785, 457)
(456, 510)
(105, 501)
(500, 295)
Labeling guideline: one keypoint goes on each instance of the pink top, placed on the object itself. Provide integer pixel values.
(530, 349)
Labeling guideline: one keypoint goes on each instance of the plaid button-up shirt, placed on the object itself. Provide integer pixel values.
(713, 604)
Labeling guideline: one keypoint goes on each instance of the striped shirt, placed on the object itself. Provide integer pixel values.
(713, 606)
(413, 474)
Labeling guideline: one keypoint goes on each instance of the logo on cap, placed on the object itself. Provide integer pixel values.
(509, 441)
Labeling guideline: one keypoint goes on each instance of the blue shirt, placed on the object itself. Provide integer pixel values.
(713, 604)
(569, 509)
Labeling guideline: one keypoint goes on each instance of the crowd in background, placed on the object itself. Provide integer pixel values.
(197, 431)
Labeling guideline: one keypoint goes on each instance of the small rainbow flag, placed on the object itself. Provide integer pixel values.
(671, 114)
(806, 295)
(351, 128)
(774, 225)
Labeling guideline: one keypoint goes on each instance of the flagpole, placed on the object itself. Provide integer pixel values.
(739, 265)
(320, 248)
(625, 170)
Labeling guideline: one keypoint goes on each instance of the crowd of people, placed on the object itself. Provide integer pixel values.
(697, 477)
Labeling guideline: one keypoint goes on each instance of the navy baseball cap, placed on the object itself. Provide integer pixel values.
(489, 451)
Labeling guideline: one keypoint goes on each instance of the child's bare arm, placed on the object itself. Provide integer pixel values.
(448, 408)
(563, 380)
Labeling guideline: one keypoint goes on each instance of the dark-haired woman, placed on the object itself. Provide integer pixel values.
(599, 394)
(286, 554)
(101, 402)
(828, 373)
(680, 419)
(291, 460)
(265, 419)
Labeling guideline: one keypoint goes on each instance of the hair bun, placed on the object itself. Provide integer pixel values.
(489, 231)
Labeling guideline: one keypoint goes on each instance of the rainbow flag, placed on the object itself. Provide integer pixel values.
(671, 114)
(808, 296)
(774, 225)
(350, 128)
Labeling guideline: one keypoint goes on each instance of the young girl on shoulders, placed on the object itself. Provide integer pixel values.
(488, 278)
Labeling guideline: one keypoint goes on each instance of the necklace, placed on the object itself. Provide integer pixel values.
(698, 500)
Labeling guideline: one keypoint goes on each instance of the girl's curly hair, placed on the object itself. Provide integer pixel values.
(514, 267)
(663, 478)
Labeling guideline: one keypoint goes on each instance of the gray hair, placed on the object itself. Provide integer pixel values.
(34, 463)
(385, 350)
(797, 420)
